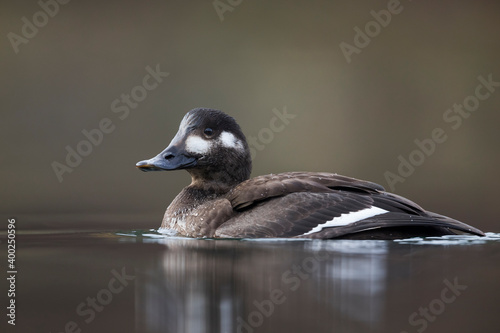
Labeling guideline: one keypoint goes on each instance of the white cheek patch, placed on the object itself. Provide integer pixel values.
(348, 218)
(228, 140)
(197, 145)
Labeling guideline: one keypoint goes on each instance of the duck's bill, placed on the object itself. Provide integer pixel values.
(159, 163)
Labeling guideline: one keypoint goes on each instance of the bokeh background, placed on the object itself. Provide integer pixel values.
(351, 118)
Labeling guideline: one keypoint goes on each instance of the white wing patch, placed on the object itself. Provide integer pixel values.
(228, 140)
(348, 218)
(197, 145)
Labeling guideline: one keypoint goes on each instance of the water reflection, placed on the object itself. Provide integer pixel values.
(189, 285)
(358, 272)
(262, 286)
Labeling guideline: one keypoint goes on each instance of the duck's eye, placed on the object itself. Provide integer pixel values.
(208, 131)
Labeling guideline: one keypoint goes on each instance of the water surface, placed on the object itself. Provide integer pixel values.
(142, 281)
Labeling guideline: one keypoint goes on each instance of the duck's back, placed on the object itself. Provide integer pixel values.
(324, 205)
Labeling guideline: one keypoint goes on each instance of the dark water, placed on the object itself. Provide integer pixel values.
(140, 281)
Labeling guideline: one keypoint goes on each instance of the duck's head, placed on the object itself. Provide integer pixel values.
(210, 146)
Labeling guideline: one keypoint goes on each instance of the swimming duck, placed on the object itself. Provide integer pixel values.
(222, 202)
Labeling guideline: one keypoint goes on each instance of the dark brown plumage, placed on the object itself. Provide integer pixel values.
(222, 202)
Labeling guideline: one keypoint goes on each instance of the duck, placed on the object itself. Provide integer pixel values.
(222, 200)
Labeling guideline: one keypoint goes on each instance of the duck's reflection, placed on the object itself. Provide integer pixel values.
(356, 277)
(262, 286)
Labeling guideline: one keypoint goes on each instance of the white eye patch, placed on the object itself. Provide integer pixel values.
(197, 145)
(228, 140)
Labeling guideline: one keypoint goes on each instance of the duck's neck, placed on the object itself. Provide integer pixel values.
(223, 172)
(197, 193)
(214, 181)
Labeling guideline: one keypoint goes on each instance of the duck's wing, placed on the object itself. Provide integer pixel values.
(275, 185)
(323, 206)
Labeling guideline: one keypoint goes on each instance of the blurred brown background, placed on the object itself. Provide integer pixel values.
(351, 118)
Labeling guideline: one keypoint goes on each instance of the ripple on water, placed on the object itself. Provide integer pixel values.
(452, 240)
(443, 240)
